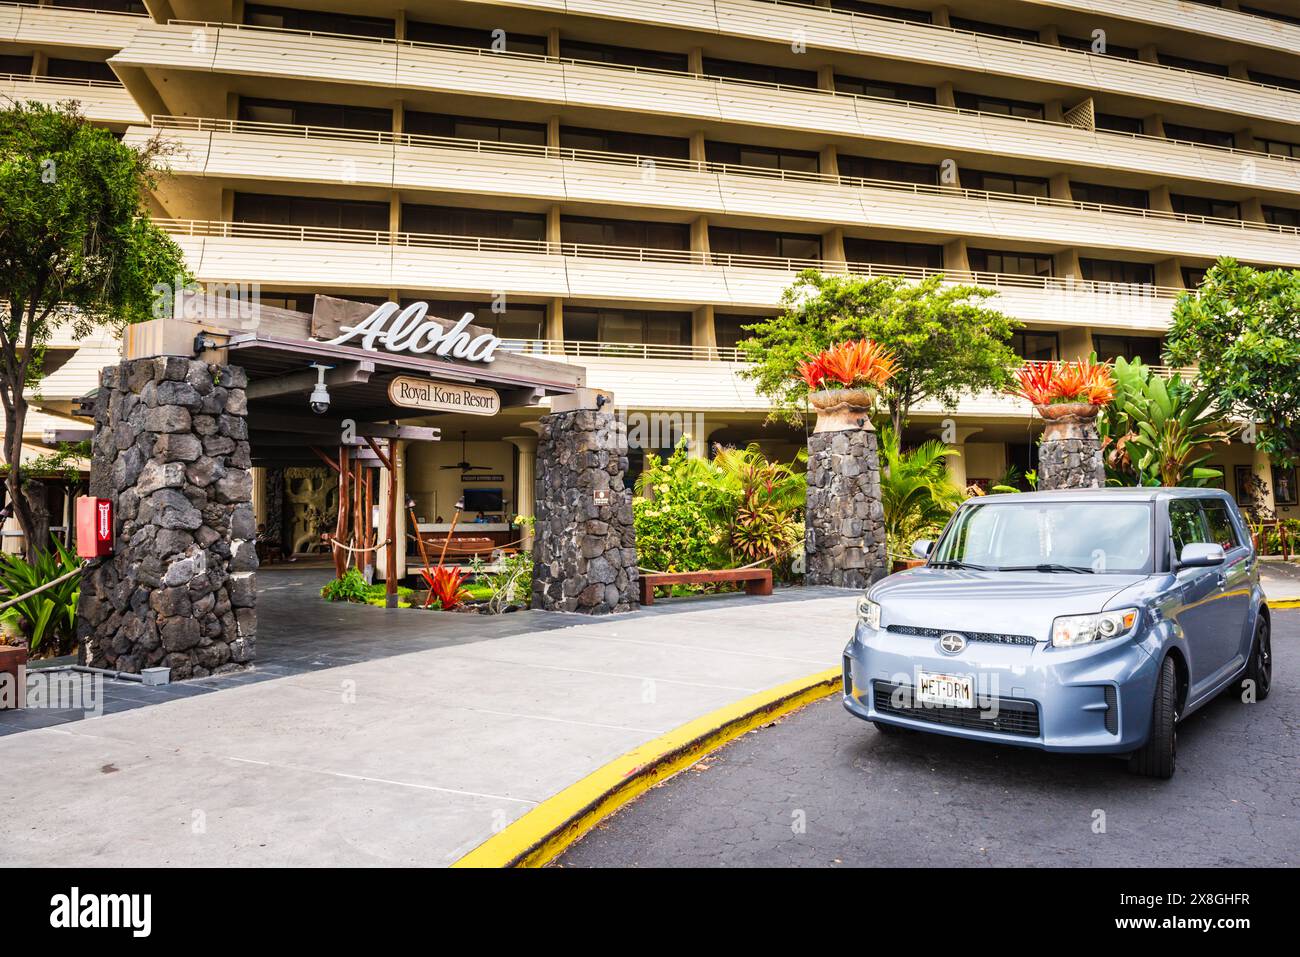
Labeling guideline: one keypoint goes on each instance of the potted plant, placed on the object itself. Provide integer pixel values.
(843, 380)
(1067, 395)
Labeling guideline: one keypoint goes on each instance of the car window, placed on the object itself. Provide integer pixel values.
(1222, 531)
(1187, 524)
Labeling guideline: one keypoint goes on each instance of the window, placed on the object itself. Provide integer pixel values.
(627, 325)
(1193, 276)
(1006, 183)
(335, 115)
(1112, 270)
(757, 242)
(1270, 14)
(519, 321)
(760, 72)
(1187, 525)
(1015, 264)
(896, 171)
(993, 29)
(1203, 206)
(474, 128)
(309, 211)
(115, 6)
(284, 18)
(481, 223)
(884, 89)
(80, 70)
(1196, 66)
(881, 253)
(1147, 348)
(728, 328)
(624, 56)
(1110, 195)
(616, 141)
(1282, 216)
(591, 231)
(882, 10)
(1280, 148)
(1118, 124)
(1196, 134)
(1272, 79)
(767, 157)
(1086, 44)
(1219, 523)
(482, 38)
(17, 65)
(1000, 105)
(1036, 346)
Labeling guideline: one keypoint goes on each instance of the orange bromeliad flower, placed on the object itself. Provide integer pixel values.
(813, 373)
(1043, 383)
(861, 363)
(1035, 382)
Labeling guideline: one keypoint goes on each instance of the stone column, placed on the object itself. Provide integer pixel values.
(524, 482)
(171, 451)
(1069, 455)
(844, 533)
(584, 553)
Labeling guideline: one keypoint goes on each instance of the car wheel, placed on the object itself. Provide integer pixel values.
(1155, 759)
(1260, 669)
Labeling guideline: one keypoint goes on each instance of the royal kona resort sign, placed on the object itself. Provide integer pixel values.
(412, 393)
(411, 330)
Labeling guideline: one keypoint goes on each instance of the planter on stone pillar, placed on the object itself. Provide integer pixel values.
(844, 537)
(171, 449)
(1069, 455)
(584, 545)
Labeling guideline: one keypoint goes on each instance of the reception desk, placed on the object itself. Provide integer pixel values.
(501, 533)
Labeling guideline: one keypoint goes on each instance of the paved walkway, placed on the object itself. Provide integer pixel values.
(1281, 580)
(373, 736)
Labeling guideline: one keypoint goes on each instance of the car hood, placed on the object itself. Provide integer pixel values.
(1017, 603)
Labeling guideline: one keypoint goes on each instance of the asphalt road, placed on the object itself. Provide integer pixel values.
(822, 789)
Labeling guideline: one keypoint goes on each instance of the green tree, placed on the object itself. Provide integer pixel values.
(76, 247)
(1241, 328)
(915, 491)
(947, 342)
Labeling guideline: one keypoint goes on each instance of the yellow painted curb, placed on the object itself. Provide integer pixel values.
(547, 830)
(1285, 603)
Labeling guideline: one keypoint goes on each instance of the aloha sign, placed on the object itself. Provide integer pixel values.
(411, 330)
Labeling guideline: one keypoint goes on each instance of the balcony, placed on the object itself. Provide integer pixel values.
(321, 259)
(176, 49)
(249, 151)
(101, 102)
(36, 26)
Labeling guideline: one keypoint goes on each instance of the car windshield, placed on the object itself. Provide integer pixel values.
(1038, 535)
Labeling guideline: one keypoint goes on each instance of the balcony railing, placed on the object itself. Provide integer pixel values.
(60, 80)
(930, 108)
(643, 162)
(478, 244)
(62, 9)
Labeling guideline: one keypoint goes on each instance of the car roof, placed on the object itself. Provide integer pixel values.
(1126, 494)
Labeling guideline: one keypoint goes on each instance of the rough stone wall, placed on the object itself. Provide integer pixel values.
(171, 450)
(584, 553)
(1071, 457)
(845, 526)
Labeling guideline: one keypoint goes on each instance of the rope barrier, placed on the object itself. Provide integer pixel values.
(335, 543)
(40, 588)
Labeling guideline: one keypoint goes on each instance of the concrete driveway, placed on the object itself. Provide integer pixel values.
(410, 756)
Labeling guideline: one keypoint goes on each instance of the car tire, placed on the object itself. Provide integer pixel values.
(1260, 668)
(1155, 759)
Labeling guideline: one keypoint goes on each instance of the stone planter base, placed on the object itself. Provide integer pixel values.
(845, 525)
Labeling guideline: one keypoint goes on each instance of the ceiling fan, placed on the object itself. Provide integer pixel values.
(464, 464)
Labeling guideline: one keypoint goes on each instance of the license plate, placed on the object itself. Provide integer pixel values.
(945, 691)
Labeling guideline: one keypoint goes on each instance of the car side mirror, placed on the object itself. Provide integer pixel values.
(1201, 555)
(922, 547)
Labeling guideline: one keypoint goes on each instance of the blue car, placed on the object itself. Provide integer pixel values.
(1088, 621)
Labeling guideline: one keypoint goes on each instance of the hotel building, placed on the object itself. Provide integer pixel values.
(624, 185)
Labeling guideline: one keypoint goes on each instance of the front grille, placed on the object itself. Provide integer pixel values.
(992, 637)
(1112, 710)
(1014, 715)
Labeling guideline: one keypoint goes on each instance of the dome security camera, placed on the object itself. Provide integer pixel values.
(320, 395)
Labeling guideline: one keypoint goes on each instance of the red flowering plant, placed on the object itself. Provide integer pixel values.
(860, 364)
(1052, 383)
(446, 584)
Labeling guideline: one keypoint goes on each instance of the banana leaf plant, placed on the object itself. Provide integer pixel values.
(1160, 430)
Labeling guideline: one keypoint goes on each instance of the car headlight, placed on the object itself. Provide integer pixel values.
(869, 613)
(1071, 630)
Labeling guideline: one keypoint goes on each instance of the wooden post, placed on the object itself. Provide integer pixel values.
(358, 524)
(340, 525)
(390, 593)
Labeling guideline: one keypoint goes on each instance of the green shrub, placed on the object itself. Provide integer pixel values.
(351, 587)
(50, 614)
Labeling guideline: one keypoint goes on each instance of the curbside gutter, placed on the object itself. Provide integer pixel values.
(547, 830)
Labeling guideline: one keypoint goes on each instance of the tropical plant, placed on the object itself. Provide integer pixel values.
(1045, 383)
(77, 248)
(767, 497)
(1241, 330)
(51, 613)
(1159, 430)
(915, 491)
(511, 585)
(947, 343)
(351, 587)
(446, 585)
(861, 363)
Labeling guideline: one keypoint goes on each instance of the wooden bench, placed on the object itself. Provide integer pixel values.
(758, 581)
(13, 658)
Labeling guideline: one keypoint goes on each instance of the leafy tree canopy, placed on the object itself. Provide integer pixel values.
(76, 247)
(947, 342)
(1241, 328)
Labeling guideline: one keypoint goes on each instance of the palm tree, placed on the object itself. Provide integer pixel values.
(915, 490)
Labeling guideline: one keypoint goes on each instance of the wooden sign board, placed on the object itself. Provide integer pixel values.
(410, 392)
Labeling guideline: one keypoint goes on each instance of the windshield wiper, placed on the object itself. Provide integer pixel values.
(1049, 567)
(954, 563)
